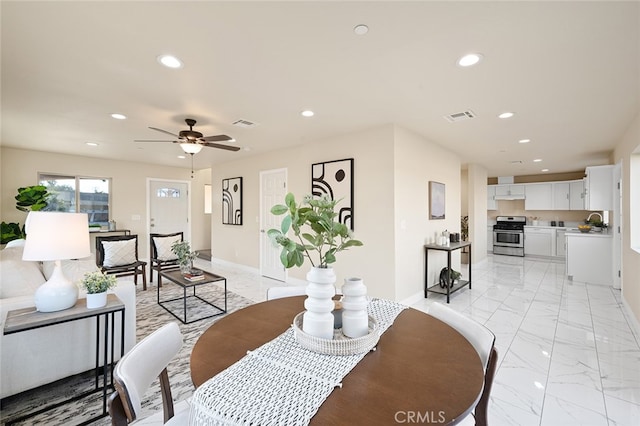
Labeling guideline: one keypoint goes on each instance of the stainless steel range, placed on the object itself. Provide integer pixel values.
(508, 235)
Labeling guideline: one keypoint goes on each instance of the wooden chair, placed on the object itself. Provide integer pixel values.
(119, 255)
(137, 370)
(285, 291)
(162, 258)
(483, 340)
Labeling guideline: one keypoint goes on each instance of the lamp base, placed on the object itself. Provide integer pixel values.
(56, 294)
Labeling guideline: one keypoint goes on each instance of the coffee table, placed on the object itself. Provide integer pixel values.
(177, 278)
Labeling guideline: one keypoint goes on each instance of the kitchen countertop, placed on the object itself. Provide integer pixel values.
(575, 233)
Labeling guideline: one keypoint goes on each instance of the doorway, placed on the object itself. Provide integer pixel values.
(168, 208)
(273, 188)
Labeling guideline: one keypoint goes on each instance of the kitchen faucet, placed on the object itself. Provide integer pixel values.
(589, 217)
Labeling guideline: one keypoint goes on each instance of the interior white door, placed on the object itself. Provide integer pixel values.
(617, 229)
(169, 207)
(273, 188)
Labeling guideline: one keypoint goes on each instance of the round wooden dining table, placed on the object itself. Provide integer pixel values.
(422, 371)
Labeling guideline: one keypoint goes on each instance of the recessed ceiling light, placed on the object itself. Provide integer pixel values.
(537, 160)
(506, 115)
(307, 113)
(524, 141)
(469, 60)
(361, 29)
(182, 157)
(118, 116)
(544, 170)
(231, 140)
(170, 61)
(92, 144)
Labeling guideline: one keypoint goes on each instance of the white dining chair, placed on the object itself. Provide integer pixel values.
(135, 372)
(483, 341)
(285, 291)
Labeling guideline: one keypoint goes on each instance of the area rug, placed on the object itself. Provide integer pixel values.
(150, 316)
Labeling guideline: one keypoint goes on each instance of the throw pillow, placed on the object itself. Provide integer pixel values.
(119, 253)
(163, 247)
(18, 277)
(73, 269)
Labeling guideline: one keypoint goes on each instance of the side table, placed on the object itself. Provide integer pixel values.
(26, 319)
(449, 288)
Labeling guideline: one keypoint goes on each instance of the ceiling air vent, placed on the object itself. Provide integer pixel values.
(460, 116)
(244, 123)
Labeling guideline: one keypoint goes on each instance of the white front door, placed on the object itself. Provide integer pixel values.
(168, 207)
(273, 188)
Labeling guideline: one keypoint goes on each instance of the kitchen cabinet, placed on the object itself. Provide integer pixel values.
(568, 195)
(576, 195)
(589, 257)
(561, 243)
(510, 191)
(538, 196)
(491, 197)
(539, 241)
(599, 188)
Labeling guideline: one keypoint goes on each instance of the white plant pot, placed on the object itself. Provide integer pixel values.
(318, 320)
(355, 319)
(96, 300)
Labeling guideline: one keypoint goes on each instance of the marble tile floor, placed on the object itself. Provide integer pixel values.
(567, 351)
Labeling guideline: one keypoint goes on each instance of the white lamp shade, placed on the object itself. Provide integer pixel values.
(191, 148)
(56, 236)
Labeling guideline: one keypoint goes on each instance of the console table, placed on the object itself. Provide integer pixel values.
(20, 320)
(449, 288)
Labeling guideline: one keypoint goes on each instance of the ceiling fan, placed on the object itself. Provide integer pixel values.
(192, 142)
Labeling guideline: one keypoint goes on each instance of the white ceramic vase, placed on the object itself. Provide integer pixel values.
(318, 320)
(355, 319)
(96, 300)
(57, 294)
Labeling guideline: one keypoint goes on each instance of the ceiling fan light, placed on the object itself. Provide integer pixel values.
(191, 148)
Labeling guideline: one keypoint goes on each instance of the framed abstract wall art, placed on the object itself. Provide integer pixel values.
(232, 201)
(436, 200)
(335, 179)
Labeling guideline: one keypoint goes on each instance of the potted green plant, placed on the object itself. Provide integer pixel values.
(318, 234)
(182, 250)
(29, 198)
(318, 237)
(96, 285)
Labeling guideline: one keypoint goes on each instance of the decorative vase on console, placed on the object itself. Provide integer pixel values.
(317, 236)
(355, 319)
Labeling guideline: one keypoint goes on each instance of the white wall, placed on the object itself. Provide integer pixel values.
(418, 161)
(477, 198)
(21, 167)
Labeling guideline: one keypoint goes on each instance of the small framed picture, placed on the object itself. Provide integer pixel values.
(436, 200)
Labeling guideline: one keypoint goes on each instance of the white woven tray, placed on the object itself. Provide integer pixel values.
(340, 344)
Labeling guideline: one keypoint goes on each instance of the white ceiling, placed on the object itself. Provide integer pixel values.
(569, 70)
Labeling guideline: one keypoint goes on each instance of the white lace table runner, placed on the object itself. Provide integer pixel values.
(279, 383)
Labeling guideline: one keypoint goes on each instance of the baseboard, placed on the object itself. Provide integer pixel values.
(631, 319)
(222, 262)
(415, 298)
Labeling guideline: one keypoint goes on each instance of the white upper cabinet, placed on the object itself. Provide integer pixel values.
(599, 188)
(576, 195)
(561, 195)
(539, 196)
(491, 197)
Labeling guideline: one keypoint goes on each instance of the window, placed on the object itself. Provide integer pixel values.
(92, 195)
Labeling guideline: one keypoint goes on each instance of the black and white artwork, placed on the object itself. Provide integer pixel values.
(335, 179)
(232, 201)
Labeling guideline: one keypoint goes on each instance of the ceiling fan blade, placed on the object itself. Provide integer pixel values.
(217, 145)
(146, 140)
(164, 131)
(216, 138)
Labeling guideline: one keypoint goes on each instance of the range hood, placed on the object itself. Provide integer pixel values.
(510, 197)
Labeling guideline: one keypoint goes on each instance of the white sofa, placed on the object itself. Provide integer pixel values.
(33, 358)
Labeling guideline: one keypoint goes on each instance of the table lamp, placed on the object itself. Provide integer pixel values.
(56, 236)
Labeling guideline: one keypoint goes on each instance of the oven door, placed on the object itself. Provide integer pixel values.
(508, 238)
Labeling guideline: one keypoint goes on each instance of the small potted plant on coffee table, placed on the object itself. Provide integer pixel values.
(96, 285)
(185, 256)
